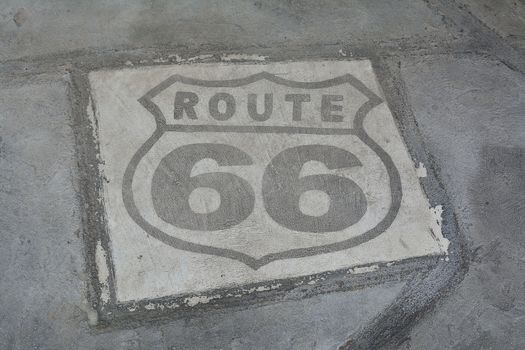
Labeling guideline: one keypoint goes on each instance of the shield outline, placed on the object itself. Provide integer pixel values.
(254, 263)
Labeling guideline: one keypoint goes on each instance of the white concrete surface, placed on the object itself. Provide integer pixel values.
(146, 267)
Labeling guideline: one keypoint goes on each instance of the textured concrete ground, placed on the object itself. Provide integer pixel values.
(459, 72)
(477, 105)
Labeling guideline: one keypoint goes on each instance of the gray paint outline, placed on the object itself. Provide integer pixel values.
(358, 130)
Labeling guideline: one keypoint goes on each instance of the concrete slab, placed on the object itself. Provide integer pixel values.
(471, 114)
(30, 28)
(42, 284)
(207, 190)
(505, 17)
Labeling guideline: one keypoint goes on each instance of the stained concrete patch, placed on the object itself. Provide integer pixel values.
(222, 175)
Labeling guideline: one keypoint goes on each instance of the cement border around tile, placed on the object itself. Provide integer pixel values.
(427, 278)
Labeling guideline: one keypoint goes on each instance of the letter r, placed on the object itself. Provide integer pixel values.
(184, 102)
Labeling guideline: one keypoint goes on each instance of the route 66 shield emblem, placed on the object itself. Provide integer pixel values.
(223, 175)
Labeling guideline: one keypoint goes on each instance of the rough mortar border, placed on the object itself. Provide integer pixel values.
(416, 270)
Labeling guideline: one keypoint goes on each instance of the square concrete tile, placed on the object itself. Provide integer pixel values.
(224, 180)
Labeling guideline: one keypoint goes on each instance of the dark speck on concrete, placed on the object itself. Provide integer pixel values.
(20, 17)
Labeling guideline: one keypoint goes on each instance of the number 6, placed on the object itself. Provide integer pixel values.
(173, 184)
(282, 188)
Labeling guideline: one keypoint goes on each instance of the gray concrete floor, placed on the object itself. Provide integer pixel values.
(461, 67)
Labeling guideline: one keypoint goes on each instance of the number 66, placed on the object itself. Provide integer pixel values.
(282, 187)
